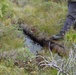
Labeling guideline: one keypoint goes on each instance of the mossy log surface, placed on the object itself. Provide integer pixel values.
(44, 42)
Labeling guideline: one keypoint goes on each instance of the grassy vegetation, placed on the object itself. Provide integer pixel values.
(47, 17)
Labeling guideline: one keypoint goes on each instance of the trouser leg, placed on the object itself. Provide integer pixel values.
(70, 17)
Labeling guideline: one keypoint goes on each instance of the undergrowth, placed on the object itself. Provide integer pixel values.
(47, 17)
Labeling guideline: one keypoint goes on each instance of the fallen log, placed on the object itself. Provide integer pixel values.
(44, 42)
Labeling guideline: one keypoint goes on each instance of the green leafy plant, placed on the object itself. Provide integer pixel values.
(3, 8)
(71, 36)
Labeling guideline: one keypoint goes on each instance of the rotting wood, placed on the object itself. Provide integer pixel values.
(44, 42)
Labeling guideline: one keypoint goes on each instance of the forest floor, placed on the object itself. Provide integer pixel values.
(45, 18)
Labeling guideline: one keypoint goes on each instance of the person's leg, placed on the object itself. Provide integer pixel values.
(69, 21)
(70, 17)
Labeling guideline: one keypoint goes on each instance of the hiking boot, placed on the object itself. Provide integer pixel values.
(57, 37)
